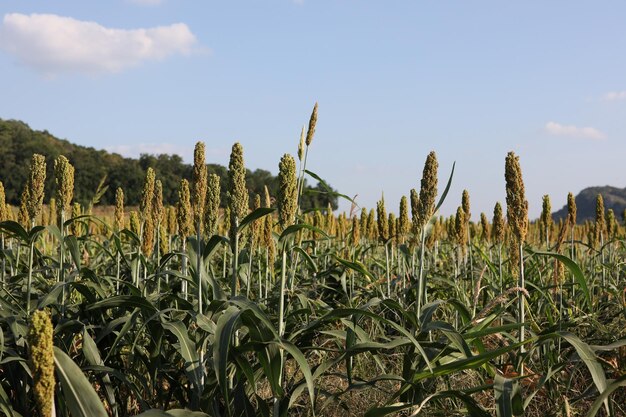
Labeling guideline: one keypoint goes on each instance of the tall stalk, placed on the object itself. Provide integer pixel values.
(30, 271)
(235, 245)
(421, 294)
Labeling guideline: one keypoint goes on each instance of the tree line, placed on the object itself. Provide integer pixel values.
(96, 168)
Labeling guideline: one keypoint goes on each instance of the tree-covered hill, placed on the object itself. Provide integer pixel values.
(614, 198)
(18, 142)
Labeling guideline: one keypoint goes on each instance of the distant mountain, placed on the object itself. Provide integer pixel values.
(614, 198)
(18, 142)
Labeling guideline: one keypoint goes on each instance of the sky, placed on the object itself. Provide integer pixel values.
(394, 80)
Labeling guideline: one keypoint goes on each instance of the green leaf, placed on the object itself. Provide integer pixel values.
(226, 325)
(355, 266)
(508, 397)
(187, 351)
(304, 367)
(294, 228)
(255, 215)
(595, 407)
(445, 191)
(589, 358)
(72, 246)
(79, 395)
(179, 412)
(328, 189)
(573, 268)
(125, 301)
(15, 229)
(92, 354)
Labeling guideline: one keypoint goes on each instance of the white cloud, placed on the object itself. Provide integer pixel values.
(615, 95)
(54, 44)
(557, 129)
(147, 2)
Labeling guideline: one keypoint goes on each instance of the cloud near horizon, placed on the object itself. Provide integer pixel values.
(558, 129)
(147, 2)
(53, 44)
(615, 95)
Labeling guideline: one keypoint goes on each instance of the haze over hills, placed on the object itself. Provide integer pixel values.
(19, 142)
(614, 198)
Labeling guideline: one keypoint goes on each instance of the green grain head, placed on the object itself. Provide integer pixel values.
(40, 341)
(212, 205)
(571, 209)
(77, 226)
(465, 203)
(199, 182)
(135, 222)
(287, 193)
(497, 231)
(237, 191)
(516, 204)
(36, 182)
(355, 234)
(158, 209)
(381, 220)
(600, 223)
(147, 195)
(312, 122)
(119, 209)
(53, 215)
(4, 209)
(64, 179)
(301, 145)
(403, 220)
(183, 210)
(485, 228)
(428, 190)
(546, 213)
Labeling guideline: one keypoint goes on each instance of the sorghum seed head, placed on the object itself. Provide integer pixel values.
(312, 122)
(238, 193)
(355, 231)
(135, 223)
(64, 178)
(403, 220)
(571, 208)
(287, 192)
(157, 204)
(40, 341)
(516, 204)
(381, 218)
(3, 204)
(36, 182)
(546, 212)
(119, 209)
(498, 224)
(185, 228)
(147, 195)
(301, 145)
(484, 225)
(147, 241)
(199, 181)
(465, 203)
(212, 206)
(428, 190)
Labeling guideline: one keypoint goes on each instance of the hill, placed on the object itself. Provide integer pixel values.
(18, 143)
(614, 198)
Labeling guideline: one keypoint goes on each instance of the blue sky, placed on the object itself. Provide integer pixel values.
(394, 80)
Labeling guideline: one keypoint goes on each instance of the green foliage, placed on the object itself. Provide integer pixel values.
(19, 142)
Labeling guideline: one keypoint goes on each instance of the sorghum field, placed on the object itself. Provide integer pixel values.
(246, 308)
